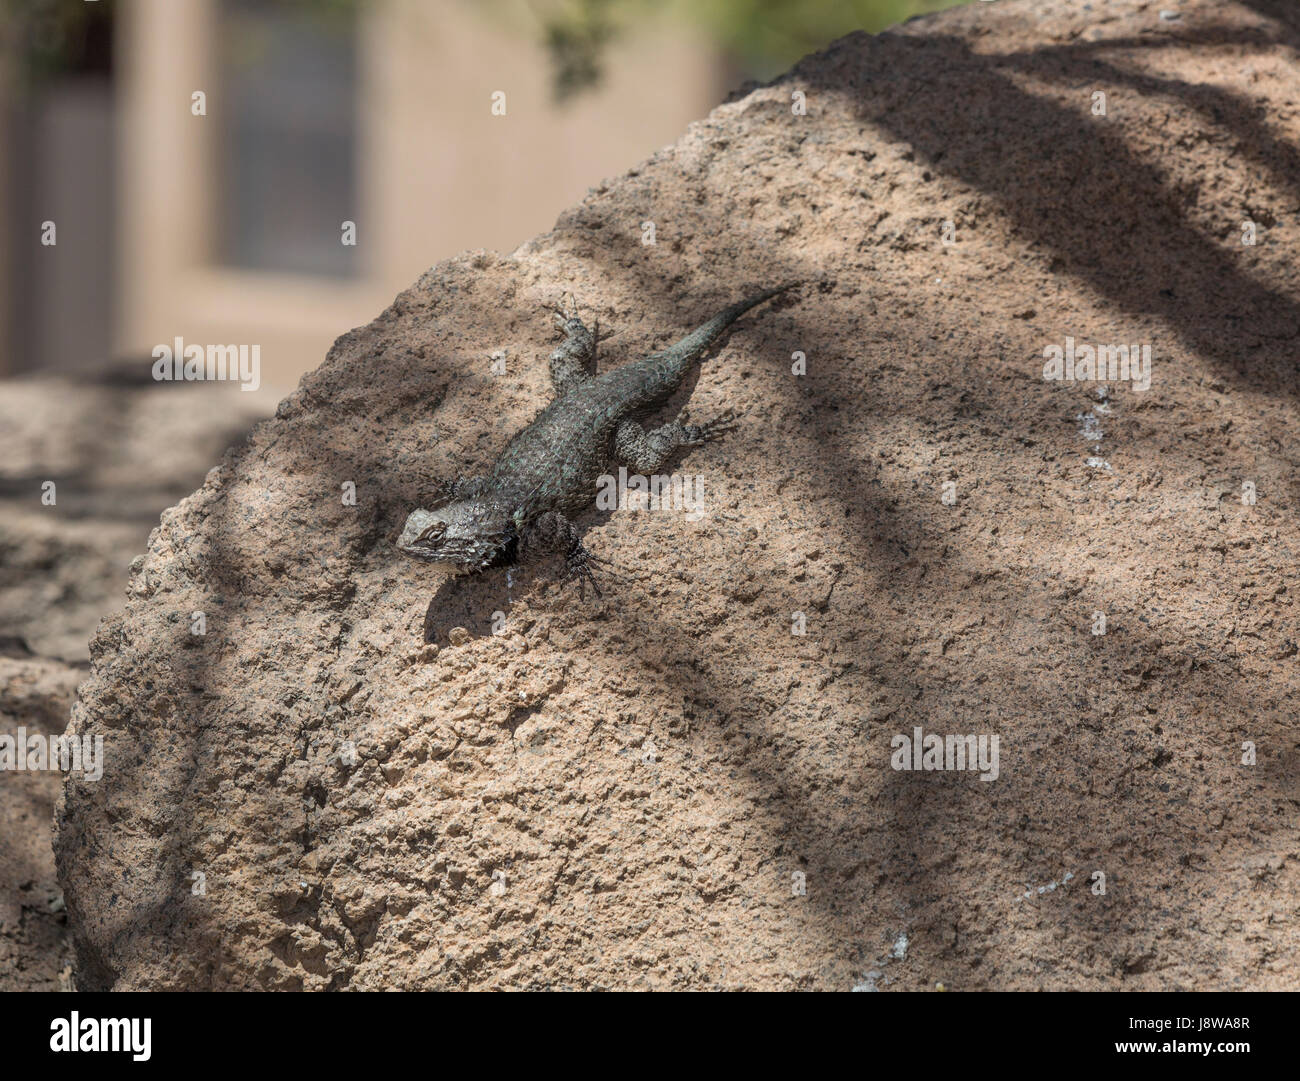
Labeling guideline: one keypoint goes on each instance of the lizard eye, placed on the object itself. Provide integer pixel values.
(433, 533)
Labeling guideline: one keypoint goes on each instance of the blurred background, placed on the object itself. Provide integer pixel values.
(184, 168)
(218, 218)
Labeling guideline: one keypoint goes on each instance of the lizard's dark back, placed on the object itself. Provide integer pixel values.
(554, 463)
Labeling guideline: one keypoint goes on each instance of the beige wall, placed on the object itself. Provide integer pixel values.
(439, 174)
(8, 362)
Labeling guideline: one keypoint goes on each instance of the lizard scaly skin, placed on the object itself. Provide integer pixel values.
(549, 471)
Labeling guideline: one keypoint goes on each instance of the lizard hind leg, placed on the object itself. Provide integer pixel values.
(574, 361)
(647, 452)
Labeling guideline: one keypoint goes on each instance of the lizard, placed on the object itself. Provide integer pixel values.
(549, 471)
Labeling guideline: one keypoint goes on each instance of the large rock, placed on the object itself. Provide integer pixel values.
(118, 448)
(666, 787)
(35, 699)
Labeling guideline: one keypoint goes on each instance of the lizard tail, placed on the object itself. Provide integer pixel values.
(685, 352)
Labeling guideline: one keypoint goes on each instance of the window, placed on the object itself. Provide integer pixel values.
(287, 143)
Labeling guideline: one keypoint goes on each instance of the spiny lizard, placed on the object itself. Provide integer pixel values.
(550, 470)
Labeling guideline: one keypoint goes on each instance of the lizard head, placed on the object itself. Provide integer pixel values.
(465, 536)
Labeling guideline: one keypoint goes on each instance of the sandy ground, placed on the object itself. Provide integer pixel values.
(117, 450)
(35, 954)
(366, 775)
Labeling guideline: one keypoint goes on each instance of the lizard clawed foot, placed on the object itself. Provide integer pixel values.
(552, 532)
(564, 316)
(579, 564)
(696, 434)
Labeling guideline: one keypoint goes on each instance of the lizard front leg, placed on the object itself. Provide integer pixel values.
(553, 532)
(574, 361)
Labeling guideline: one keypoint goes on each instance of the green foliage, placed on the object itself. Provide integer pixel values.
(51, 37)
(576, 35)
(44, 38)
(767, 36)
(764, 36)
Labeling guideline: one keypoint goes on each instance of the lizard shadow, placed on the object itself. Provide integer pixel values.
(479, 603)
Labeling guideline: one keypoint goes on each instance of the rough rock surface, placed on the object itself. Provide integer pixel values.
(36, 697)
(118, 448)
(629, 792)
